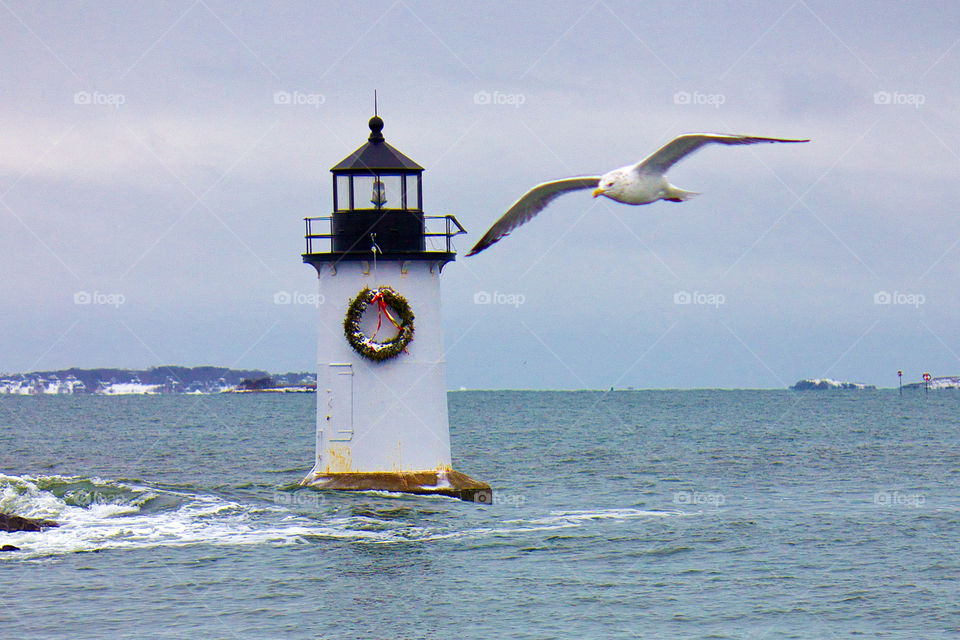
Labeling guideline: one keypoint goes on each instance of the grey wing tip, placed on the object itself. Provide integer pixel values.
(477, 248)
(488, 240)
(744, 137)
(784, 140)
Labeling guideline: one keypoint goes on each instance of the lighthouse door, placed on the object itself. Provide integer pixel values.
(340, 403)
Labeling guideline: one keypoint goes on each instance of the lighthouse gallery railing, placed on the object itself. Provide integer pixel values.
(451, 227)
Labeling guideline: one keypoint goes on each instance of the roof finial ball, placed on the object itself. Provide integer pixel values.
(376, 126)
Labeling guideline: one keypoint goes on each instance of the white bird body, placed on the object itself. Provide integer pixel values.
(641, 183)
(630, 187)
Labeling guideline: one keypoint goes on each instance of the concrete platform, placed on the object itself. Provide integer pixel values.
(442, 482)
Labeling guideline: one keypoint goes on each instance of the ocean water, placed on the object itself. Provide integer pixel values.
(629, 514)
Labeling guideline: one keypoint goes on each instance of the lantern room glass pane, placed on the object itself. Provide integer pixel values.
(377, 192)
(343, 193)
(392, 186)
(363, 192)
(413, 191)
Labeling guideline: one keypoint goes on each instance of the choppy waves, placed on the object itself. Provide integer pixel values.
(98, 515)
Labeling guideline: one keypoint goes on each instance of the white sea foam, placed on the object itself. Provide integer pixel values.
(111, 515)
(553, 521)
(197, 519)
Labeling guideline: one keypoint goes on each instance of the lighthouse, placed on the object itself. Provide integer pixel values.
(382, 419)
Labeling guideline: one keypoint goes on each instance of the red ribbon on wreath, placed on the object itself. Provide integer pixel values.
(383, 308)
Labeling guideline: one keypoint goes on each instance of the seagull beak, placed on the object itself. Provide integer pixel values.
(597, 192)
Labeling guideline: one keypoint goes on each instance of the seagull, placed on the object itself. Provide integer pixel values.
(641, 183)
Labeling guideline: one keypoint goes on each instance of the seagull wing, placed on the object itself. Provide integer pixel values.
(532, 203)
(680, 147)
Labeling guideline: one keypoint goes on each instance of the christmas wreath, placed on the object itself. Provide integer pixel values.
(398, 313)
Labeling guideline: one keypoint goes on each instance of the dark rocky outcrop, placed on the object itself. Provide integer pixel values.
(9, 522)
(9, 547)
(260, 384)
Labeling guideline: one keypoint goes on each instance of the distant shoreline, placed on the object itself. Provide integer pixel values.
(210, 380)
(166, 380)
(291, 391)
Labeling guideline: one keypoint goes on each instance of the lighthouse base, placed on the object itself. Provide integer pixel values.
(445, 482)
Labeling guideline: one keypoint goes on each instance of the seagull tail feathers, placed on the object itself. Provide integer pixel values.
(675, 194)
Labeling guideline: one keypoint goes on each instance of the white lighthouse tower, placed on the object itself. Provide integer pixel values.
(381, 386)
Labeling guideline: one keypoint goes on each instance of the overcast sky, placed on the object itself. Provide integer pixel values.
(146, 162)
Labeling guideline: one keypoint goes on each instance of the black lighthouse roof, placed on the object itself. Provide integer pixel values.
(378, 211)
(376, 155)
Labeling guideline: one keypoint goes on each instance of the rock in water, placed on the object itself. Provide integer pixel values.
(9, 547)
(9, 522)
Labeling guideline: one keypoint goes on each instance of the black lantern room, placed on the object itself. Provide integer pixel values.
(378, 208)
